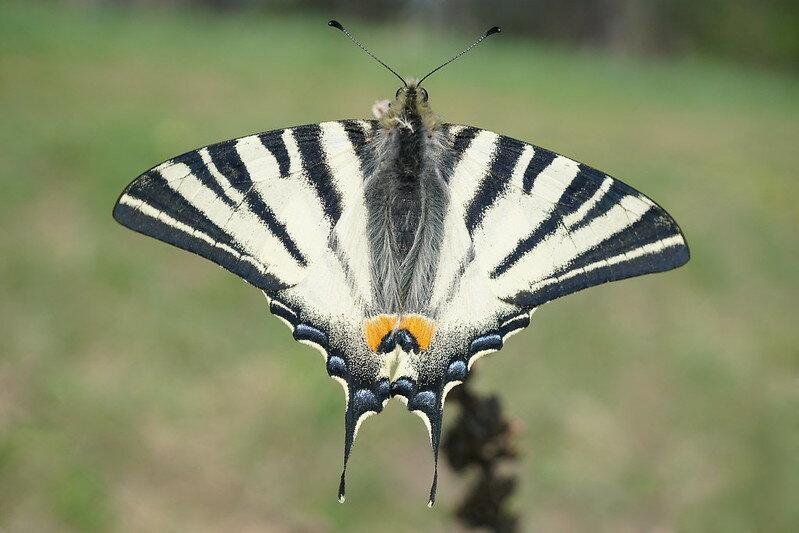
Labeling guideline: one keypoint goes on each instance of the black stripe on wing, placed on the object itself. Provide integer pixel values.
(654, 226)
(359, 132)
(541, 160)
(506, 155)
(617, 191)
(197, 166)
(187, 228)
(229, 163)
(309, 142)
(582, 188)
(665, 259)
(273, 141)
(460, 142)
(152, 190)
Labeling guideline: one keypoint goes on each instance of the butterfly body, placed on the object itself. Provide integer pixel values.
(406, 198)
(403, 248)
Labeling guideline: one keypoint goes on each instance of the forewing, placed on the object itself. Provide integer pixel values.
(540, 225)
(285, 211)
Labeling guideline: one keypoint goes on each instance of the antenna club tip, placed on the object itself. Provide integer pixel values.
(335, 24)
(492, 31)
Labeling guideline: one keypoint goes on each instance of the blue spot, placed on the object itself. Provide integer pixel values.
(304, 332)
(383, 389)
(336, 366)
(403, 387)
(365, 400)
(456, 371)
(426, 400)
(487, 342)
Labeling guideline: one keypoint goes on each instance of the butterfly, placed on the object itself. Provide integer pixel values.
(403, 248)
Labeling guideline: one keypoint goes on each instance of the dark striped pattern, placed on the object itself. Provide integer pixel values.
(156, 206)
(229, 163)
(541, 160)
(310, 145)
(581, 189)
(606, 203)
(273, 141)
(358, 132)
(460, 142)
(194, 161)
(637, 239)
(153, 189)
(495, 182)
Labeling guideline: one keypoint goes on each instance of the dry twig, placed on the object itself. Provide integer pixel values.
(483, 437)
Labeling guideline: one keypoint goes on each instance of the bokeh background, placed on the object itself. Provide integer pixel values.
(144, 389)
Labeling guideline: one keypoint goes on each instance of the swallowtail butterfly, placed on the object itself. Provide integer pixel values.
(402, 248)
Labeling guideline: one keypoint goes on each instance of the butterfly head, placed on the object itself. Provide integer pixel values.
(410, 104)
(412, 94)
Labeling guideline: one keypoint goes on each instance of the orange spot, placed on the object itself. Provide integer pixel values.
(375, 328)
(421, 327)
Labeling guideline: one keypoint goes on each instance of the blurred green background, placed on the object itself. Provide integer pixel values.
(144, 389)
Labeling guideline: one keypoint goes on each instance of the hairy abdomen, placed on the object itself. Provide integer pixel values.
(406, 199)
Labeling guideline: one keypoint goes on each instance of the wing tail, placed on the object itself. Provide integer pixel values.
(364, 399)
(425, 398)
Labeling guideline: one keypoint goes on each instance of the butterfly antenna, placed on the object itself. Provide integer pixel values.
(489, 32)
(336, 24)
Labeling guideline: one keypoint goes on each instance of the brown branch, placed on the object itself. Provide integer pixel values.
(483, 437)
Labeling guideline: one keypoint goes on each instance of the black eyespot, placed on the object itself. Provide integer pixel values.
(424, 94)
(398, 91)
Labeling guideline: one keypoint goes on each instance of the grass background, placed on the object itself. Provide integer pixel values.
(144, 389)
